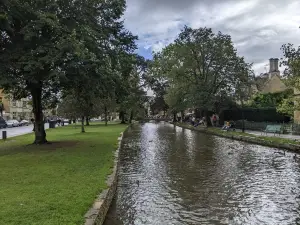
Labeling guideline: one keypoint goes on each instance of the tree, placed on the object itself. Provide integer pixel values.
(45, 43)
(176, 100)
(206, 63)
(287, 107)
(1, 108)
(134, 96)
(31, 43)
(75, 105)
(242, 87)
(270, 100)
(291, 61)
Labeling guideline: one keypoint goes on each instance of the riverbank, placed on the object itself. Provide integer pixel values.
(277, 142)
(59, 182)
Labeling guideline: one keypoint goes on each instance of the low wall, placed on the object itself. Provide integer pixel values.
(253, 140)
(97, 213)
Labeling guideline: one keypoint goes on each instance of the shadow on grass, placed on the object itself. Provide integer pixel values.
(103, 125)
(32, 148)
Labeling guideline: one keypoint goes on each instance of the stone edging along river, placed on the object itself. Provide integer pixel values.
(97, 213)
(253, 140)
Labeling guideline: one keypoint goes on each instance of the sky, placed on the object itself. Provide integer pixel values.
(258, 28)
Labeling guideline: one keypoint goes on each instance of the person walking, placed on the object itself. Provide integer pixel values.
(214, 119)
(32, 121)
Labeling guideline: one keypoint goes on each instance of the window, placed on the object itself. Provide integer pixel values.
(14, 103)
(14, 115)
(24, 104)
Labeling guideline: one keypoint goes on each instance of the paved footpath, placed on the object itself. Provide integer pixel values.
(17, 131)
(287, 136)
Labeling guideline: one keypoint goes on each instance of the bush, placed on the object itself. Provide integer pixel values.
(254, 114)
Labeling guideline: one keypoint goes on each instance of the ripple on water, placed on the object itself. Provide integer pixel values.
(170, 175)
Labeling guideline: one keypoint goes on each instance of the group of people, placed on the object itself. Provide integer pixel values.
(214, 121)
(228, 125)
(196, 122)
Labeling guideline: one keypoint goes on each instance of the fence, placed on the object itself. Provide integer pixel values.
(288, 128)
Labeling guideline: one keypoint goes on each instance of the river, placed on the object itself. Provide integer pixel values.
(170, 175)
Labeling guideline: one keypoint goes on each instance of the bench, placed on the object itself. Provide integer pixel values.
(275, 129)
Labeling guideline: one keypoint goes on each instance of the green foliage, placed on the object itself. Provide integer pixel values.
(204, 65)
(176, 99)
(291, 61)
(286, 106)
(253, 114)
(265, 100)
(70, 47)
(132, 90)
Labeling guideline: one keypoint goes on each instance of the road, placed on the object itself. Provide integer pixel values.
(17, 131)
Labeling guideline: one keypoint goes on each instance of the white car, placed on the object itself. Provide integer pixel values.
(12, 123)
(24, 123)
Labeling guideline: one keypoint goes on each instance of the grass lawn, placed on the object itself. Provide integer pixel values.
(58, 182)
(274, 139)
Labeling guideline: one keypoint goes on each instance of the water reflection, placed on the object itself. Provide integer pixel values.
(170, 175)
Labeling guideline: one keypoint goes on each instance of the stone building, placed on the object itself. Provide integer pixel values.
(296, 112)
(270, 82)
(19, 110)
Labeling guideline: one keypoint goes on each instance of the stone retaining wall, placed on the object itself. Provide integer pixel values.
(97, 213)
(253, 140)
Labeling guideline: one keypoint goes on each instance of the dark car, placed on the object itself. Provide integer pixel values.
(3, 124)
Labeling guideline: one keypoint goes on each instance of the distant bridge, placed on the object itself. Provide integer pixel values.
(155, 120)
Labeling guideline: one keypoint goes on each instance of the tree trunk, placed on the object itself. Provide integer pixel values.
(122, 117)
(243, 117)
(182, 116)
(105, 115)
(174, 117)
(131, 116)
(207, 118)
(82, 124)
(87, 121)
(39, 127)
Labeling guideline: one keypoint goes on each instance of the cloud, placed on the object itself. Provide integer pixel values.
(258, 27)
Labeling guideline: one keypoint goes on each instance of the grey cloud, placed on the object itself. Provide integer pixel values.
(258, 31)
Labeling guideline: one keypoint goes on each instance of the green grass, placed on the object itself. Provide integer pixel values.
(265, 138)
(274, 139)
(55, 183)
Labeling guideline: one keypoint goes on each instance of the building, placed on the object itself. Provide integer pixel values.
(270, 82)
(19, 110)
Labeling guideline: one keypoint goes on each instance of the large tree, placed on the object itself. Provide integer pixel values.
(207, 63)
(48, 45)
(133, 95)
(291, 62)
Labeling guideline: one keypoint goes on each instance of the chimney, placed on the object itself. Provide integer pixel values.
(276, 68)
(272, 65)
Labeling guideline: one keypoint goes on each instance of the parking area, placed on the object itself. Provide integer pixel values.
(16, 131)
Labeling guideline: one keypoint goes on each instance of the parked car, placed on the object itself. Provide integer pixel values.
(24, 123)
(12, 123)
(2, 123)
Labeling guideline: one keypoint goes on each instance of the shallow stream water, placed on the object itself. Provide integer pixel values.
(170, 175)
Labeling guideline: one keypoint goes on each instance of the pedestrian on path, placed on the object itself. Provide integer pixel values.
(32, 121)
(214, 119)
